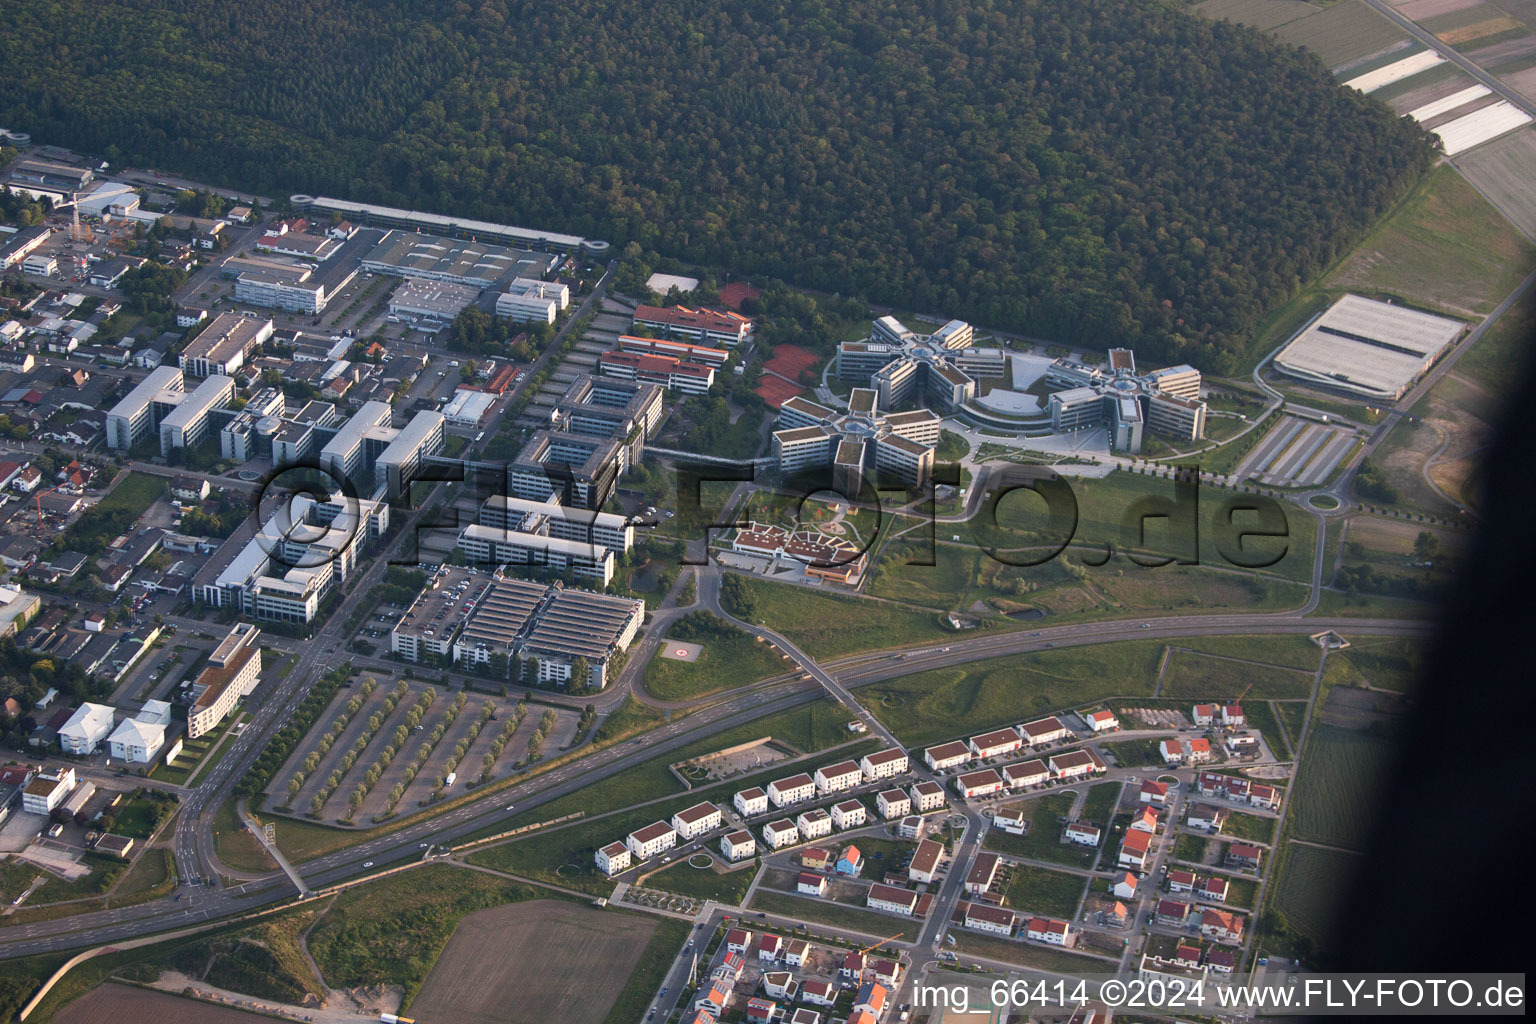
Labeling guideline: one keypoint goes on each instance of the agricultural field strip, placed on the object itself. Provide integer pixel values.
(1396, 71)
(1449, 103)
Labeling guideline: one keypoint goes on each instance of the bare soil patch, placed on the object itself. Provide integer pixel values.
(110, 1004)
(529, 963)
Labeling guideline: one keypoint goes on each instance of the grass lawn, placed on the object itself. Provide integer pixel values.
(930, 706)
(154, 869)
(1445, 247)
(1043, 891)
(1043, 840)
(1293, 716)
(1309, 889)
(1199, 676)
(881, 855)
(140, 816)
(1284, 651)
(1252, 827)
(702, 883)
(234, 845)
(136, 493)
(1386, 663)
(1029, 954)
(1501, 346)
(1099, 804)
(390, 932)
(1241, 892)
(1136, 753)
(1261, 716)
(837, 915)
(729, 659)
(827, 626)
(1190, 847)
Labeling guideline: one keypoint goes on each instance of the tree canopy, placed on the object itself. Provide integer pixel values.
(1099, 171)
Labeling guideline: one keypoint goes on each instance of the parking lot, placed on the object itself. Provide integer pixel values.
(417, 791)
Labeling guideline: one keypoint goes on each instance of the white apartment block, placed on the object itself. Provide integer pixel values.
(1045, 730)
(995, 744)
(927, 796)
(694, 821)
(47, 790)
(738, 845)
(793, 790)
(751, 802)
(947, 755)
(883, 764)
(814, 824)
(1026, 773)
(893, 804)
(86, 728)
(234, 669)
(613, 858)
(838, 777)
(655, 838)
(849, 814)
(779, 834)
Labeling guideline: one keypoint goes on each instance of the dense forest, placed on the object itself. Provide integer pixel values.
(1096, 170)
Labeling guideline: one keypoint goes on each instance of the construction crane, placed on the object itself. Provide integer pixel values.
(891, 938)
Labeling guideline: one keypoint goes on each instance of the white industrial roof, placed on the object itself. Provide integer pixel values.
(1373, 348)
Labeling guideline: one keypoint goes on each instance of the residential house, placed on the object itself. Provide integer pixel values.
(927, 796)
(1083, 834)
(1214, 889)
(1155, 793)
(838, 777)
(1232, 716)
(1026, 773)
(1010, 820)
(1048, 930)
(1172, 751)
(883, 764)
(850, 862)
(995, 744)
(891, 899)
(1207, 817)
(947, 755)
(924, 865)
(781, 833)
(982, 783)
(985, 918)
(750, 802)
(1135, 850)
(1243, 855)
(694, 821)
(814, 858)
(1180, 880)
(647, 842)
(1145, 820)
(848, 814)
(1044, 731)
(1203, 714)
(814, 823)
(1075, 764)
(738, 845)
(1173, 913)
(983, 873)
(1125, 886)
(1102, 721)
(793, 790)
(1222, 926)
(1200, 750)
(613, 858)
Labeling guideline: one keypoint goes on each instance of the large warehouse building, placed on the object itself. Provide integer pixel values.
(1368, 348)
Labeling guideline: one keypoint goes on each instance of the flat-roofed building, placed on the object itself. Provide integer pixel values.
(662, 370)
(603, 529)
(189, 423)
(1128, 404)
(233, 670)
(1369, 348)
(440, 300)
(488, 546)
(430, 626)
(138, 414)
(346, 455)
(714, 327)
(896, 445)
(499, 622)
(400, 461)
(223, 346)
(686, 351)
(578, 624)
(453, 260)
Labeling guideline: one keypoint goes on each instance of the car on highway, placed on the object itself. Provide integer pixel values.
(367, 863)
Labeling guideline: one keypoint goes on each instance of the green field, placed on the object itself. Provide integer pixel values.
(1503, 344)
(391, 932)
(835, 914)
(1386, 663)
(1334, 799)
(1311, 884)
(136, 493)
(1198, 676)
(1190, 847)
(1446, 248)
(1099, 805)
(929, 706)
(1108, 512)
(1136, 753)
(1030, 954)
(1262, 716)
(1340, 32)
(1043, 840)
(1042, 891)
(1252, 827)
(1296, 652)
(827, 626)
(702, 883)
(730, 658)
(1261, 14)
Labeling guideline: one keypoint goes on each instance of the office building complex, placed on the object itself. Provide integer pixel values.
(234, 669)
(711, 326)
(901, 365)
(596, 430)
(1165, 402)
(224, 345)
(303, 550)
(455, 261)
(529, 301)
(685, 351)
(662, 370)
(861, 442)
(439, 300)
(519, 531)
(375, 456)
(539, 628)
(187, 425)
(139, 412)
